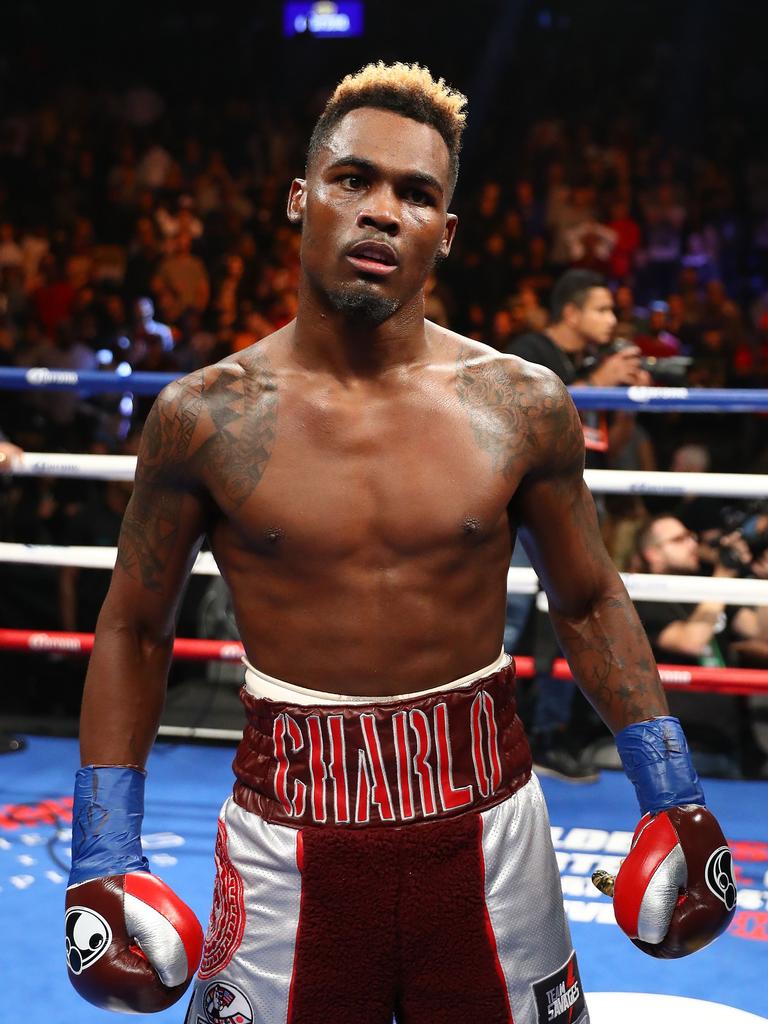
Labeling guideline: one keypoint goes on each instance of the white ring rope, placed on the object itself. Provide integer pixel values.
(85, 467)
(641, 586)
(600, 481)
(710, 485)
(84, 557)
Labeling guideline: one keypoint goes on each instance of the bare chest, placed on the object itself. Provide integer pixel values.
(383, 479)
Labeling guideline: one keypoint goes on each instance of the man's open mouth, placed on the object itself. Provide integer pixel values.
(376, 258)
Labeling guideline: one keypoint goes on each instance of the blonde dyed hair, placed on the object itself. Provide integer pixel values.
(406, 89)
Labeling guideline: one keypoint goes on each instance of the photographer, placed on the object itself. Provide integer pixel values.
(582, 327)
(719, 728)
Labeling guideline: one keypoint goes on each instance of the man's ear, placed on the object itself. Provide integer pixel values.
(297, 198)
(451, 222)
(570, 314)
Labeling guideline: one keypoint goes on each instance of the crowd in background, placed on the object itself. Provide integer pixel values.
(106, 201)
(130, 234)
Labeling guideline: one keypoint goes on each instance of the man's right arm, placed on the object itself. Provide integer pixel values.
(692, 636)
(161, 534)
(141, 944)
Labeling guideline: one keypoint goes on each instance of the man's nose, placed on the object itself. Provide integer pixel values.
(380, 212)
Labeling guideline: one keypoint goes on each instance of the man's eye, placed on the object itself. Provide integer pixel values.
(353, 181)
(416, 195)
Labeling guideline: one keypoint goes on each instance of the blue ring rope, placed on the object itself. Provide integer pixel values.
(637, 399)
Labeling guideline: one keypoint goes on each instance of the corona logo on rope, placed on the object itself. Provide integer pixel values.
(44, 642)
(40, 376)
(644, 394)
(231, 652)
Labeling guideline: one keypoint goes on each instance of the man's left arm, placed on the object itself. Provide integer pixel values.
(595, 621)
(675, 891)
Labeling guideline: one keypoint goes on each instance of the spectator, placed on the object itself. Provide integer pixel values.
(53, 299)
(574, 209)
(64, 413)
(143, 259)
(654, 337)
(11, 254)
(718, 727)
(228, 292)
(590, 245)
(627, 235)
(154, 166)
(183, 220)
(184, 276)
(147, 326)
(664, 220)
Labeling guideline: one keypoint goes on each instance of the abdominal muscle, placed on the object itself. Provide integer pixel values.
(345, 627)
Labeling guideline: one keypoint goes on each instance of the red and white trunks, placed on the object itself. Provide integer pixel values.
(386, 859)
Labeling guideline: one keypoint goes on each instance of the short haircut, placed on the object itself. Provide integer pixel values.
(572, 289)
(646, 537)
(406, 89)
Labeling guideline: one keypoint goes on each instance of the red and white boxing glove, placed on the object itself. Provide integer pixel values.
(131, 944)
(675, 892)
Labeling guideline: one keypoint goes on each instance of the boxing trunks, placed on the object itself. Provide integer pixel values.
(386, 858)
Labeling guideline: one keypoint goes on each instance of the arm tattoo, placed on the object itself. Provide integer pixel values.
(524, 419)
(150, 524)
(610, 657)
(215, 429)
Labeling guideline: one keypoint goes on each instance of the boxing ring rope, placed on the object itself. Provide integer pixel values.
(730, 681)
(637, 399)
(599, 481)
(641, 587)
(741, 681)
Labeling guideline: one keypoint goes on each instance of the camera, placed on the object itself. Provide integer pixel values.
(668, 371)
(751, 523)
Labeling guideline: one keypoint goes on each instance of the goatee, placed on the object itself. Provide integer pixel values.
(362, 305)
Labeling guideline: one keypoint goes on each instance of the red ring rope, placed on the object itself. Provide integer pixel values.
(735, 681)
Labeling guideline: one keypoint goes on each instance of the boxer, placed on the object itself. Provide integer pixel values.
(361, 475)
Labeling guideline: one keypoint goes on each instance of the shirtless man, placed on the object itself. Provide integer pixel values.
(361, 475)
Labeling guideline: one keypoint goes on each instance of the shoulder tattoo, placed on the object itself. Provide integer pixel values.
(216, 428)
(243, 414)
(518, 420)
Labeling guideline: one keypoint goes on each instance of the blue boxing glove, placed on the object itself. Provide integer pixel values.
(132, 945)
(675, 892)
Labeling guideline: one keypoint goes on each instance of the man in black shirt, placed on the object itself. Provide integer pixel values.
(718, 726)
(583, 322)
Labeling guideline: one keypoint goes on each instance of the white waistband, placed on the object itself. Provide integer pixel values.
(259, 684)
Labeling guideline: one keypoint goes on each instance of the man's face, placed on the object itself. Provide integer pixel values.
(657, 320)
(595, 320)
(374, 212)
(674, 549)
